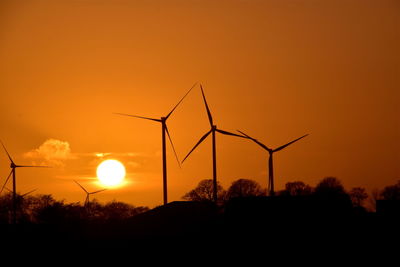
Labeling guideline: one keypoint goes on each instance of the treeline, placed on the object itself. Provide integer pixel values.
(44, 209)
(328, 187)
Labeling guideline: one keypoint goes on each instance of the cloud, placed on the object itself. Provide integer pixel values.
(52, 151)
(112, 154)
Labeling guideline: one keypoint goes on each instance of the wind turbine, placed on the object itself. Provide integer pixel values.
(88, 193)
(213, 130)
(270, 161)
(22, 194)
(13, 167)
(21, 197)
(164, 129)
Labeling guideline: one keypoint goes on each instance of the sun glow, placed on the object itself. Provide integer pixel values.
(111, 172)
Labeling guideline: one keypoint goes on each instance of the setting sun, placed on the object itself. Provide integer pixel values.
(111, 172)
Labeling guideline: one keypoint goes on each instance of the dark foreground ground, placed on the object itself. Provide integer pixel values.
(250, 228)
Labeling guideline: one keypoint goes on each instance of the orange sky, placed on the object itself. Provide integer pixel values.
(274, 69)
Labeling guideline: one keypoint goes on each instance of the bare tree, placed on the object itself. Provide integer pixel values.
(391, 192)
(330, 186)
(358, 195)
(117, 210)
(245, 188)
(297, 188)
(204, 192)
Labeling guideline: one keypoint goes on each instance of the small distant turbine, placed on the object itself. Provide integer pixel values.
(164, 129)
(212, 130)
(21, 197)
(22, 194)
(13, 167)
(88, 193)
(270, 162)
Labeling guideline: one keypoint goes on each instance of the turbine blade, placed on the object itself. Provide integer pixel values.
(4, 185)
(98, 191)
(31, 166)
(140, 117)
(81, 187)
(28, 192)
(172, 144)
(208, 109)
(8, 154)
(198, 143)
(229, 133)
(245, 134)
(282, 147)
(180, 101)
(255, 140)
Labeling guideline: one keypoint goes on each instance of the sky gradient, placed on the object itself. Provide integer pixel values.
(274, 69)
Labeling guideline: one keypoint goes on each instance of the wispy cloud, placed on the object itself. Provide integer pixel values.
(52, 151)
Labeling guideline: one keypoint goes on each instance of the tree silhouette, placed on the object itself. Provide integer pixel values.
(391, 192)
(330, 186)
(374, 197)
(357, 196)
(117, 210)
(297, 188)
(332, 197)
(245, 188)
(5, 208)
(204, 192)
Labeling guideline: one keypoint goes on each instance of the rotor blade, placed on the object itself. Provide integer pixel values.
(208, 110)
(198, 143)
(8, 154)
(81, 187)
(28, 192)
(98, 191)
(256, 141)
(282, 147)
(229, 133)
(4, 185)
(172, 144)
(140, 117)
(180, 100)
(30, 166)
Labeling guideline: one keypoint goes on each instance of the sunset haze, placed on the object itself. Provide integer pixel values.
(274, 69)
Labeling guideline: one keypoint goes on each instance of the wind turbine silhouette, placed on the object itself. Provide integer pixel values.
(88, 193)
(13, 167)
(22, 194)
(270, 161)
(213, 130)
(21, 197)
(164, 129)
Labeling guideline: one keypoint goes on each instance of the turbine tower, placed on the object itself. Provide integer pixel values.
(13, 167)
(212, 130)
(88, 193)
(164, 129)
(270, 160)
